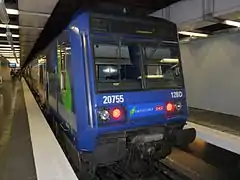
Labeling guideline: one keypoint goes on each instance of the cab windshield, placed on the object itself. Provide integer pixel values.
(129, 64)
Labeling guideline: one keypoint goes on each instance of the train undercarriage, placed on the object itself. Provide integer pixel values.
(129, 155)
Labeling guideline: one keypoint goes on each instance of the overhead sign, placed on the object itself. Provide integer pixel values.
(12, 65)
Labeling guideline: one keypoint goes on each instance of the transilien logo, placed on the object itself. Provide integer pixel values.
(132, 111)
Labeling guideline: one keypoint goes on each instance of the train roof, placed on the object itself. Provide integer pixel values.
(129, 17)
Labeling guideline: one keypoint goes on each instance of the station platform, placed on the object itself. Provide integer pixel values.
(216, 128)
(28, 148)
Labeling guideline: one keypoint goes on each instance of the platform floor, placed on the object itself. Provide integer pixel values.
(28, 148)
(217, 129)
(16, 155)
(222, 122)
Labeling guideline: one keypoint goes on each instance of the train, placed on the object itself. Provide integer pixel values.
(115, 86)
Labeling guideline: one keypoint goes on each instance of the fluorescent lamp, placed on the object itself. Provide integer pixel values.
(12, 59)
(10, 55)
(3, 53)
(13, 35)
(10, 26)
(7, 52)
(169, 60)
(9, 49)
(232, 23)
(12, 11)
(6, 49)
(187, 33)
(152, 76)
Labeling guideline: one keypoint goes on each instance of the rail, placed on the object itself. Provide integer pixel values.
(160, 171)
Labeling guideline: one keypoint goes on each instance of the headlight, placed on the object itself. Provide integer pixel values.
(104, 115)
(178, 106)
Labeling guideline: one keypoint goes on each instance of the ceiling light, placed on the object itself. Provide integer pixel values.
(187, 33)
(7, 52)
(232, 23)
(9, 55)
(11, 58)
(13, 35)
(169, 60)
(9, 49)
(1, 52)
(9, 26)
(8, 45)
(12, 11)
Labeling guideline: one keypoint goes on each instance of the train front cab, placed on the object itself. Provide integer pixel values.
(134, 89)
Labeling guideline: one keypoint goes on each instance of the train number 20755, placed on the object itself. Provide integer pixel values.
(176, 94)
(113, 99)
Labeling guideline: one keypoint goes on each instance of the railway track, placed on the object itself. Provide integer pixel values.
(160, 171)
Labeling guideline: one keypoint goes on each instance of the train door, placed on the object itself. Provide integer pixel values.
(64, 73)
(52, 78)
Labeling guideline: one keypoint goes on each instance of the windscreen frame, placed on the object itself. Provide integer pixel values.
(137, 39)
(116, 37)
(161, 45)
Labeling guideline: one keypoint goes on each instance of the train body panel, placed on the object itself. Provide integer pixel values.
(139, 109)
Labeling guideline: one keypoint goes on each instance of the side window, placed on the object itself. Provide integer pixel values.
(63, 61)
(64, 55)
(63, 72)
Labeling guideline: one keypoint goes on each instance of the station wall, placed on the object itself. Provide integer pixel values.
(212, 73)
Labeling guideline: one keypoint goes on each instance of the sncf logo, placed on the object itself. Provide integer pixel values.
(159, 108)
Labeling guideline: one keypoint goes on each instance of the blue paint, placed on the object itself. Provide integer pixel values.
(79, 82)
(145, 102)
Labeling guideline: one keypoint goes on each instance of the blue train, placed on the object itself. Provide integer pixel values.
(114, 82)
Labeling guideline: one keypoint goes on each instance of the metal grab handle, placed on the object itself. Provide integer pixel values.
(87, 75)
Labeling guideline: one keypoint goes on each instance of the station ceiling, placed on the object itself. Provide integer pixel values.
(27, 20)
(33, 40)
(35, 23)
